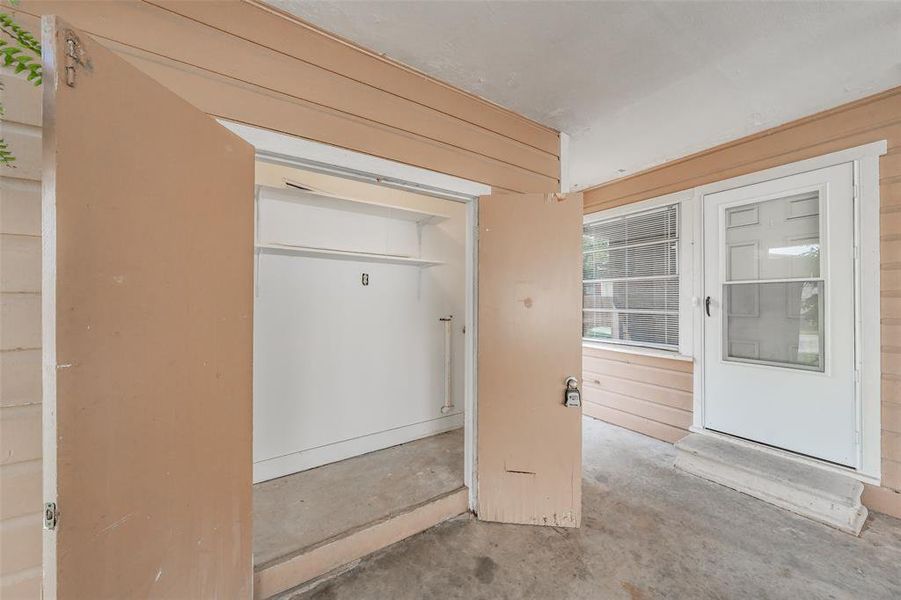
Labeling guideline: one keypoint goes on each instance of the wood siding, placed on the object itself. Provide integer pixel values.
(249, 63)
(647, 394)
(20, 344)
(872, 119)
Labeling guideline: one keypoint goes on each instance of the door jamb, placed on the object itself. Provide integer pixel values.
(865, 159)
(293, 151)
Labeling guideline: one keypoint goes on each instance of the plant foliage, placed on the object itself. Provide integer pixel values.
(20, 52)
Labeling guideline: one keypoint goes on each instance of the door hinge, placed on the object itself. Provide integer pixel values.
(74, 57)
(51, 516)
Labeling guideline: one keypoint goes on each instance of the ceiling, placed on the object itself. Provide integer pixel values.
(636, 84)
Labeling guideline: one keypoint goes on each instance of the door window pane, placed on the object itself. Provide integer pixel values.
(778, 324)
(774, 239)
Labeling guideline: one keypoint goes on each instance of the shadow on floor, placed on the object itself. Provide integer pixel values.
(648, 531)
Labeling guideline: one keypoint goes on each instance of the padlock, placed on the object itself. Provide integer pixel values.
(571, 395)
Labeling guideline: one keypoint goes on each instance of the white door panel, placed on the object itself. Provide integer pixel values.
(779, 338)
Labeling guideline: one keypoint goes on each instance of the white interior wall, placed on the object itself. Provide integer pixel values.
(340, 368)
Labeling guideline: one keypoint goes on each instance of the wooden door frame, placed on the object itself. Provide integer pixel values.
(865, 160)
(279, 148)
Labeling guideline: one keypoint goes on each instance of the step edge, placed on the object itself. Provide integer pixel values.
(284, 573)
(848, 518)
(855, 486)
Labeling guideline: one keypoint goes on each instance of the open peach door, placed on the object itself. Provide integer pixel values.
(529, 345)
(148, 245)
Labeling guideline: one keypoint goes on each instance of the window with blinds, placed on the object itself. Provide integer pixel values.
(630, 279)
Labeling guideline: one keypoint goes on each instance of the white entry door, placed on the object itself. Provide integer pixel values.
(779, 325)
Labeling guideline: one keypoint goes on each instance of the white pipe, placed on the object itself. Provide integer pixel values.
(448, 373)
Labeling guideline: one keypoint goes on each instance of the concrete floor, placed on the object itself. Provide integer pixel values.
(648, 531)
(294, 512)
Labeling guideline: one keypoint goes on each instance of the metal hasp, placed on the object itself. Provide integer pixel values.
(51, 515)
(571, 395)
(74, 57)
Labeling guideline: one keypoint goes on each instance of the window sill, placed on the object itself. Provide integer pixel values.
(637, 350)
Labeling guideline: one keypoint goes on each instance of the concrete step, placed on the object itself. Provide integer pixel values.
(820, 495)
(284, 573)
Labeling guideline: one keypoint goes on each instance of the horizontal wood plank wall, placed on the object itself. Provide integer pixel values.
(20, 344)
(872, 119)
(647, 394)
(245, 62)
(249, 63)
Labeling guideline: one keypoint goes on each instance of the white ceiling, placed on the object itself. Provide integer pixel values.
(636, 83)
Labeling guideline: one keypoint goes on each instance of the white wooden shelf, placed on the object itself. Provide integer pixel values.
(347, 255)
(358, 205)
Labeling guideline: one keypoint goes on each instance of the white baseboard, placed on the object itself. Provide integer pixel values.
(302, 460)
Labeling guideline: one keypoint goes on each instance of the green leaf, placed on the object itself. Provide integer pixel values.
(25, 55)
(6, 157)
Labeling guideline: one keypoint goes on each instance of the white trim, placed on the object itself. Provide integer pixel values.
(294, 462)
(49, 366)
(279, 143)
(868, 347)
(266, 141)
(697, 330)
(866, 161)
(639, 350)
(811, 164)
(471, 363)
(566, 184)
(687, 235)
(636, 207)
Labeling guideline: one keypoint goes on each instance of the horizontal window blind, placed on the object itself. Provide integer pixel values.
(630, 279)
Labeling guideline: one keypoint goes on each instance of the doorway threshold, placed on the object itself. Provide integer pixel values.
(824, 496)
(312, 522)
(290, 571)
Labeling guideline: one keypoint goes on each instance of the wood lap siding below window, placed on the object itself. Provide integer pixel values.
(871, 119)
(647, 394)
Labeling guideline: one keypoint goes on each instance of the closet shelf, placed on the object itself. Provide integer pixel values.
(317, 198)
(390, 259)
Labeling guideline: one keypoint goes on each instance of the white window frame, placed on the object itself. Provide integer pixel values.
(867, 335)
(686, 201)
